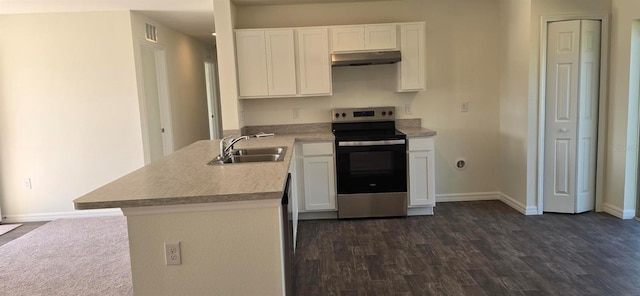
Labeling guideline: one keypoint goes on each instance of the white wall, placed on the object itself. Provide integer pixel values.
(622, 125)
(514, 94)
(186, 79)
(462, 65)
(69, 115)
(225, 22)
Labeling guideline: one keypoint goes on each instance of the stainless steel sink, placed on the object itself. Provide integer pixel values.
(248, 155)
(259, 151)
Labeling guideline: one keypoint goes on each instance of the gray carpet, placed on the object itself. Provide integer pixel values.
(83, 256)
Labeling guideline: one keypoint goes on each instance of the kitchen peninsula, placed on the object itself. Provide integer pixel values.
(226, 218)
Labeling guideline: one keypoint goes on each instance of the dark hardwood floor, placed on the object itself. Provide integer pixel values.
(20, 231)
(470, 248)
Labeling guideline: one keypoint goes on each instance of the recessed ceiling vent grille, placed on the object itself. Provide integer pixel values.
(150, 33)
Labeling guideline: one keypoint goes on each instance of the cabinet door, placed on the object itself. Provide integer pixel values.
(281, 62)
(252, 63)
(380, 37)
(319, 183)
(314, 65)
(412, 68)
(347, 38)
(421, 179)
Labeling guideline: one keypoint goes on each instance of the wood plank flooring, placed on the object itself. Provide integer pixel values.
(470, 248)
(20, 231)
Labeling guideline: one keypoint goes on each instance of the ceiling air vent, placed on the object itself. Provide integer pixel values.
(150, 33)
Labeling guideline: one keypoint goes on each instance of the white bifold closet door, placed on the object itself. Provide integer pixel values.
(571, 111)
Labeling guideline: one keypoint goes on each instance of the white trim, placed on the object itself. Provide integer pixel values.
(518, 206)
(202, 207)
(420, 211)
(467, 196)
(58, 215)
(618, 212)
(602, 103)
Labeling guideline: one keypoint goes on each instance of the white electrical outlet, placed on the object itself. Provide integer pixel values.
(296, 113)
(27, 183)
(464, 107)
(407, 109)
(172, 253)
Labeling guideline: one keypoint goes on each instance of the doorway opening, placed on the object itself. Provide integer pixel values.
(213, 99)
(573, 71)
(155, 106)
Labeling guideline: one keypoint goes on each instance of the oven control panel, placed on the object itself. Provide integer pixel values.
(363, 114)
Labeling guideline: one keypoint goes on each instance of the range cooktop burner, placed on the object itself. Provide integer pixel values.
(365, 124)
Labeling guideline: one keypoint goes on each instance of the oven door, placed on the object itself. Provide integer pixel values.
(371, 166)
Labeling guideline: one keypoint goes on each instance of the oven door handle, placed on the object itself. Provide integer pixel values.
(371, 143)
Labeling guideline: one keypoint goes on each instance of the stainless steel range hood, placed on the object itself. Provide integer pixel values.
(365, 58)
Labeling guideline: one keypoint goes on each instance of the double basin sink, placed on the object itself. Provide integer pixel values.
(248, 155)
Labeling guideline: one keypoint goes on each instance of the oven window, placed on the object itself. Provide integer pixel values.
(368, 162)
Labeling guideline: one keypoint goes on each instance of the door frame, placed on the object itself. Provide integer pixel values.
(602, 102)
(163, 99)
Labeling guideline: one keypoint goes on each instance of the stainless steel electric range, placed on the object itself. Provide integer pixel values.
(371, 163)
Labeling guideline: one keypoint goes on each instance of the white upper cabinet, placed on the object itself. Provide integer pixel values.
(347, 38)
(314, 62)
(252, 63)
(412, 68)
(380, 37)
(366, 37)
(266, 63)
(281, 62)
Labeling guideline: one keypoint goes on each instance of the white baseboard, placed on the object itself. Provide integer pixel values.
(518, 206)
(618, 212)
(475, 196)
(57, 215)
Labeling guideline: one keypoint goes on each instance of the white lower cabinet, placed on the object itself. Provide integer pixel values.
(421, 172)
(318, 173)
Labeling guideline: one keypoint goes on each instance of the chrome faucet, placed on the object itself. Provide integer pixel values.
(226, 147)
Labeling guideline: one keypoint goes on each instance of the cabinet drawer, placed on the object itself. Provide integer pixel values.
(421, 144)
(317, 148)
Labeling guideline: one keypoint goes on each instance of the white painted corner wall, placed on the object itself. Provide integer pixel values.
(69, 115)
(225, 23)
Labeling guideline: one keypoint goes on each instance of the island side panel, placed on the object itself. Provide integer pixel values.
(224, 252)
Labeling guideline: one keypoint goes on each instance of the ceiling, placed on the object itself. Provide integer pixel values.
(192, 17)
